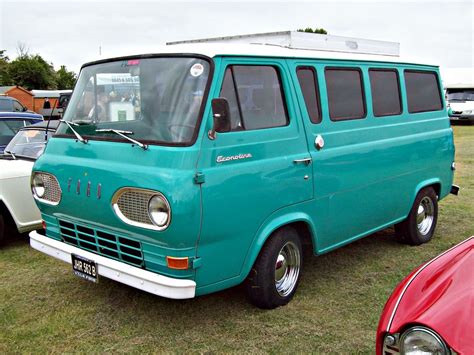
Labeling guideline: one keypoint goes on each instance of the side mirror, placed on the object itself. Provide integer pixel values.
(221, 117)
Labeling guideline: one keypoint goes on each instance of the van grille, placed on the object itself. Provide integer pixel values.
(102, 243)
(134, 205)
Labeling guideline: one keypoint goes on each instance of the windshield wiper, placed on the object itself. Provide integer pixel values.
(78, 136)
(12, 155)
(123, 134)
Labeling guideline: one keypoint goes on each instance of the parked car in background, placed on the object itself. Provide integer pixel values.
(461, 103)
(11, 122)
(18, 212)
(50, 103)
(10, 104)
(432, 310)
(63, 102)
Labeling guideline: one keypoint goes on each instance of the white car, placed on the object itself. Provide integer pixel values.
(461, 104)
(18, 211)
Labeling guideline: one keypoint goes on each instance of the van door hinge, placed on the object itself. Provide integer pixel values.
(199, 178)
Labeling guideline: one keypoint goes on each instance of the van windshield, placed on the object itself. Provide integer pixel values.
(157, 99)
(460, 95)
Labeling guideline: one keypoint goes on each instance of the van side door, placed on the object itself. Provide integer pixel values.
(353, 173)
(254, 170)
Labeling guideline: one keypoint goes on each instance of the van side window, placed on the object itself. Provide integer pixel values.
(255, 97)
(309, 87)
(385, 88)
(228, 92)
(345, 93)
(423, 92)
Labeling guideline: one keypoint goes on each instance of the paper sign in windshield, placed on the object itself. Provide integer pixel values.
(197, 69)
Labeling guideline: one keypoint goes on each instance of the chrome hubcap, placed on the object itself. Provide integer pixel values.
(287, 269)
(425, 215)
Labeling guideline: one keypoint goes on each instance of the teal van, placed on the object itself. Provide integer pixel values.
(205, 166)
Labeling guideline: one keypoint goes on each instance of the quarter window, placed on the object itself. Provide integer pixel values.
(255, 97)
(423, 92)
(345, 94)
(385, 89)
(309, 87)
(17, 106)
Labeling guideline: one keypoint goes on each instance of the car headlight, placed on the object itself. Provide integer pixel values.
(468, 112)
(37, 186)
(421, 340)
(159, 211)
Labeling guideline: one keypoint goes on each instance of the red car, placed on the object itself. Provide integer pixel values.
(432, 310)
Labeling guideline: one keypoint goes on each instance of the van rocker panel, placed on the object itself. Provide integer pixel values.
(132, 276)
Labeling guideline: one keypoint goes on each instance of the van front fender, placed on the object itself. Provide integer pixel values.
(278, 219)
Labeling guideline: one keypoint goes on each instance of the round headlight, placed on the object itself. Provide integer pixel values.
(420, 340)
(38, 186)
(159, 211)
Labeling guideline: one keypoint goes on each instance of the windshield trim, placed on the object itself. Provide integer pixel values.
(193, 140)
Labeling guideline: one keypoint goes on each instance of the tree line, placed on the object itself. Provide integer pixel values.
(32, 72)
(316, 30)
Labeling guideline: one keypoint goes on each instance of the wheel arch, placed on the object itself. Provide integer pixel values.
(298, 220)
(435, 183)
(5, 212)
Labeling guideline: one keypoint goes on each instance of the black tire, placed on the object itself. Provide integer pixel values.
(263, 290)
(411, 231)
(2, 230)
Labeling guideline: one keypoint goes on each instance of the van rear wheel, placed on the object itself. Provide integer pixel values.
(419, 226)
(274, 278)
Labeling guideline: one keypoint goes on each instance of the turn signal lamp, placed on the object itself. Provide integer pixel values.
(177, 263)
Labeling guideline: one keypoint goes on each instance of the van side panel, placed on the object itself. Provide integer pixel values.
(367, 174)
(364, 179)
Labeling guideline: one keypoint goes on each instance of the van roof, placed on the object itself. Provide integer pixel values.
(263, 50)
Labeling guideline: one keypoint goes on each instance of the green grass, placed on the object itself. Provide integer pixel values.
(44, 308)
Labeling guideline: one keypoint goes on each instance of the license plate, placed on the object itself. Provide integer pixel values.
(85, 268)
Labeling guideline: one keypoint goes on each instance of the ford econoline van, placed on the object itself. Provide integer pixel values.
(204, 166)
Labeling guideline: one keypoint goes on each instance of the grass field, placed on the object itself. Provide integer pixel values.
(44, 308)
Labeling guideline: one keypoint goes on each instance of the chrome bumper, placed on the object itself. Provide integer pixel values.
(115, 270)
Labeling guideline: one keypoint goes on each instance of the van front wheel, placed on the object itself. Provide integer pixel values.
(419, 226)
(273, 280)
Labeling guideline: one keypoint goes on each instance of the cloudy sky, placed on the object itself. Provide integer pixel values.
(71, 32)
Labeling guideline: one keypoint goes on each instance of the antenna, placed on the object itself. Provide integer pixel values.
(49, 120)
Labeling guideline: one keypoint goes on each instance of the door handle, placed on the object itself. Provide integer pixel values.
(305, 161)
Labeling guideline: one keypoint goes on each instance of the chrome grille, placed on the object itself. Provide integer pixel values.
(134, 205)
(102, 243)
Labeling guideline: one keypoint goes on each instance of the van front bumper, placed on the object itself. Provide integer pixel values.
(115, 270)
